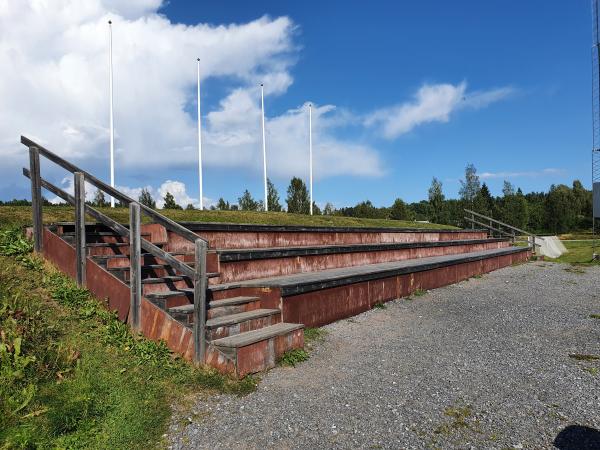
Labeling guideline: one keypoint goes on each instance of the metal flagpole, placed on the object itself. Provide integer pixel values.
(310, 155)
(200, 142)
(112, 127)
(262, 102)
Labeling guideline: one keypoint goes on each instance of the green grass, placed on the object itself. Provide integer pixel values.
(293, 357)
(312, 335)
(21, 215)
(579, 252)
(72, 375)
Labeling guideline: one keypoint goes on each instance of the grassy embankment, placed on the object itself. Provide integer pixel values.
(579, 252)
(71, 374)
(21, 215)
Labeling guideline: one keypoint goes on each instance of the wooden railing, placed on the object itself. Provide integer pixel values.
(501, 228)
(133, 233)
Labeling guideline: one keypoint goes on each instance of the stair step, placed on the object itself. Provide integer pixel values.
(107, 244)
(251, 337)
(168, 294)
(166, 279)
(233, 319)
(232, 301)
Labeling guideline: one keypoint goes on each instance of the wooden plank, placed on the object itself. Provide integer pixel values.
(156, 216)
(135, 256)
(116, 226)
(36, 197)
(200, 285)
(80, 256)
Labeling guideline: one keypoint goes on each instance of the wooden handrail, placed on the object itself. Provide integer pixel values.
(498, 222)
(197, 274)
(489, 226)
(113, 224)
(156, 216)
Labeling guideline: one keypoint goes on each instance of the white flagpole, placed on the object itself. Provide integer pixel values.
(262, 103)
(112, 127)
(200, 142)
(310, 155)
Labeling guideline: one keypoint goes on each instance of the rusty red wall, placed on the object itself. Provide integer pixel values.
(267, 239)
(158, 325)
(59, 252)
(325, 306)
(231, 271)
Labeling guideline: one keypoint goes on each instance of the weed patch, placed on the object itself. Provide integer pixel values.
(293, 357)
(583, 357)
(594, 316)
(313, 335)
(379, 305)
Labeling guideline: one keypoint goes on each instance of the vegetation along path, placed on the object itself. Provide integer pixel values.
(510, 360)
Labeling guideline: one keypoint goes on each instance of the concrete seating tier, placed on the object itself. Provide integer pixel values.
(267, 282)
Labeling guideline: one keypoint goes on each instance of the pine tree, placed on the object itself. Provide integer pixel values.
(146, 199)
(190, 207)
(247, 202)
(273, 197)
(297, 197)
(100, 200)
(169, 202)
(329, 209)
(400, 211)
(483, 202)
(222, 205)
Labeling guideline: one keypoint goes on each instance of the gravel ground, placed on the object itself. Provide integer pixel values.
(481, 364)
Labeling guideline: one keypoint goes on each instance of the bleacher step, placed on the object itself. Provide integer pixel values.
(254, 351)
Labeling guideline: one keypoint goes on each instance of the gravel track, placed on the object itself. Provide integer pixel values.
(481, 364)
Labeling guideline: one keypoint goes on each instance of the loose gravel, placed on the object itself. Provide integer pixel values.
(481, 364)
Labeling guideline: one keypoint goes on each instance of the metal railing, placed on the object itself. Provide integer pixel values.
(133, 233)
(501, 228)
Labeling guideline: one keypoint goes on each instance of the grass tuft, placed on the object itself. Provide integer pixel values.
(293, 357)
(313, 335)
(583, 357)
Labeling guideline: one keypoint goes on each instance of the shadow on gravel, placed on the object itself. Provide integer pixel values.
(576, 437)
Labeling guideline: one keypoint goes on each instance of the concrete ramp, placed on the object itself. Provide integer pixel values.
(550, 246)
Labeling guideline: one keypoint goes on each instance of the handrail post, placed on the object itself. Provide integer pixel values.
(36, 198)
(80, 256)
(135, 272)
(200, 282)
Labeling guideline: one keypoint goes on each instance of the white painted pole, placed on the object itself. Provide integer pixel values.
(112, 126)
(310, 155)
(200, 143)
(262, 103)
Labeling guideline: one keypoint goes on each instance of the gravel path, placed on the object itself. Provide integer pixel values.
(481, 364)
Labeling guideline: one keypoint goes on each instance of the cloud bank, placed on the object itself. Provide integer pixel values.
(54, 86)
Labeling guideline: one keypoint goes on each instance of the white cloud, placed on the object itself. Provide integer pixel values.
(55, 81)
(286, 140)
(534, 173)
(431, 103)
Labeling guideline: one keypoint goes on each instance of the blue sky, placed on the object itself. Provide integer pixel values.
(367, 59)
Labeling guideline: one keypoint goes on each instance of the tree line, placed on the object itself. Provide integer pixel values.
(562, 208)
